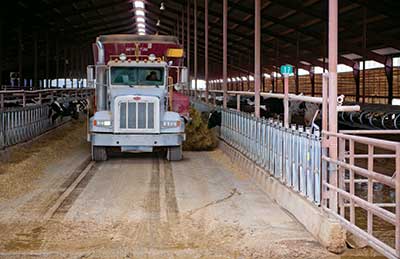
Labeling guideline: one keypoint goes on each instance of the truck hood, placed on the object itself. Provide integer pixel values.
(158, 92)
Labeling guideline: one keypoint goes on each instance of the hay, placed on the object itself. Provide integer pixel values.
(25, 163)
(198, 136)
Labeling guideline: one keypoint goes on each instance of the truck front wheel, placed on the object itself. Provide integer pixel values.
(99, 153)
(174, 153)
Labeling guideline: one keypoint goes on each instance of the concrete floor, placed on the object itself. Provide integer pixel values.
(141, 206)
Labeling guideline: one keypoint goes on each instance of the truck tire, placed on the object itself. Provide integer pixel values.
(174, 153)
(99, 153)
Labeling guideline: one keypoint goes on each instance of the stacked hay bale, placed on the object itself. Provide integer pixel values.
(198, 136)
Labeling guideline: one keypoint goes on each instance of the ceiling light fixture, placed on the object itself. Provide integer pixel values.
(140, 20)
(162, 7)
(139, 13)
(158, 22)
(139, 4)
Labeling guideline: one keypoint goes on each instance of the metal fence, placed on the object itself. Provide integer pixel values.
(292, 155)
(24, 123)
(361, 189)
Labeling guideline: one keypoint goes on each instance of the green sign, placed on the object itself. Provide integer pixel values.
(286, 70)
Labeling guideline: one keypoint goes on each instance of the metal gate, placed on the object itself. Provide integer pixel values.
(361, 189)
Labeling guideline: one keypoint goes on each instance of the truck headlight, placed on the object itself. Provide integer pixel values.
(171, 124)
(101, 123)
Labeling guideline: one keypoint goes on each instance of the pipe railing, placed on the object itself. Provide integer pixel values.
(292, 97)
(363, 209)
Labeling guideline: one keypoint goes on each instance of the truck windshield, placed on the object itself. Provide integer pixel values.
(137, 76)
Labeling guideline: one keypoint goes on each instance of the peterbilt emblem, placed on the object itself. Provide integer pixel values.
(137, 98)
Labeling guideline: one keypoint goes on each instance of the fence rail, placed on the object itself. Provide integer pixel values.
(292, 155)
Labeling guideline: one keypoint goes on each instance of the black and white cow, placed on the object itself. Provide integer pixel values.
(214, 119)
(300, 112)
(72, 108)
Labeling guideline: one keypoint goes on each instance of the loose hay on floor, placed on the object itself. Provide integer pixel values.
(198, 136)
(21, 165)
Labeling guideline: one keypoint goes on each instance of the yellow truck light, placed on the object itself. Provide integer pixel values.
(175, 53)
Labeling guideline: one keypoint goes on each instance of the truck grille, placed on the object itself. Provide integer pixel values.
(137, 115)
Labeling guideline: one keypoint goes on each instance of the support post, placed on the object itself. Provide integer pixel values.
(257, 57)
(312, 79)
(20, 57)
(332, 59)
(297, 64)
(57, 56)
(195, 49)
(1, 55)
(296, 79)
(35, 60)
(286, 100)
(356, 75)
(206, 46)
(46, 79)
(389, 77)
(183, 27)
(364, 40)
(225, 52)
(65, 67)
(188, 45)
(273, 83)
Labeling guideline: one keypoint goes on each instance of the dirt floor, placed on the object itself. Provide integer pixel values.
(139, 206)
(22, 165)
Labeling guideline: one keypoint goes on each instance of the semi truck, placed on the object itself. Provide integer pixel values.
(134, 77)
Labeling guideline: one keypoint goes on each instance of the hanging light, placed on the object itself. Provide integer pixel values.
(162, 7)
(139, 4)
(139, 13)
(158, 22)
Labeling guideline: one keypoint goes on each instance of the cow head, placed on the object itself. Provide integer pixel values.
(214, 119)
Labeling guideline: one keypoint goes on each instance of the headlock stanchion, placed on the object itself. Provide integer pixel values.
(292, 155)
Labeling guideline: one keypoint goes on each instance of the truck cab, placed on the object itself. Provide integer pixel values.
(133, 92)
